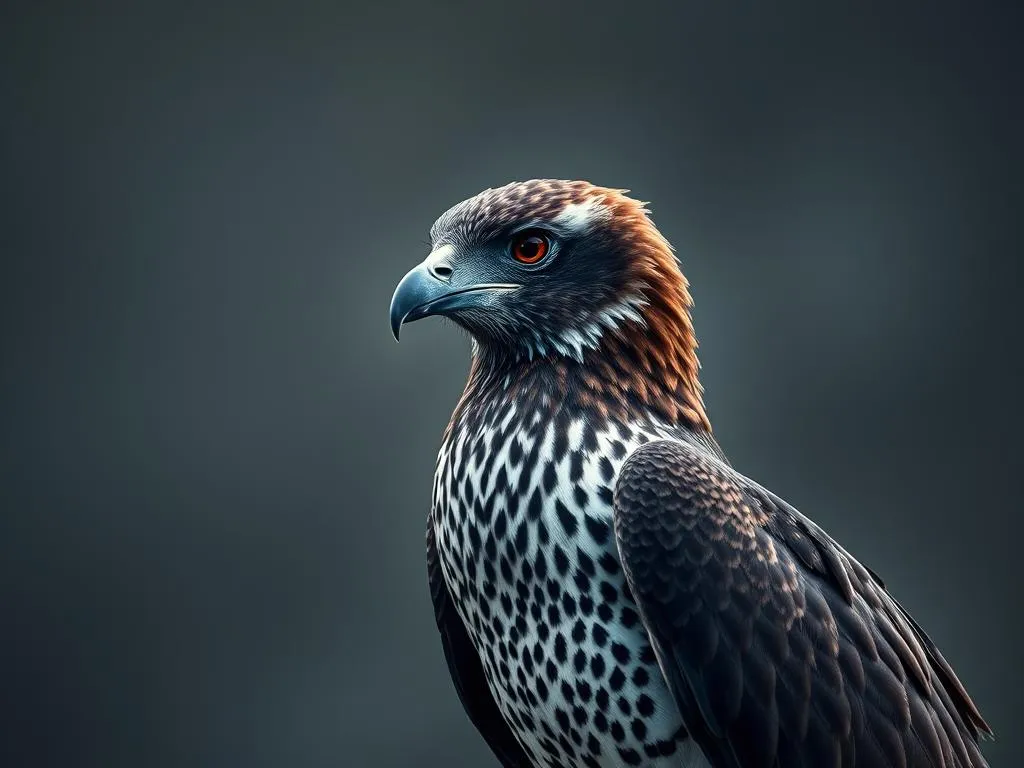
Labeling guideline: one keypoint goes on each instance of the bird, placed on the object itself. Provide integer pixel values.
(608, 589)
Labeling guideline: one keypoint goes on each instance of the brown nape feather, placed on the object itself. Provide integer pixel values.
(655, 365)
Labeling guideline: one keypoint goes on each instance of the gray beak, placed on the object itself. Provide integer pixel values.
(433, 288)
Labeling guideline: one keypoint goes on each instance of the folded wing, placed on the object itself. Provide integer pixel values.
(779, 647)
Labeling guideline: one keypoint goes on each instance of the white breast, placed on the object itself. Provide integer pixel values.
(528, 553)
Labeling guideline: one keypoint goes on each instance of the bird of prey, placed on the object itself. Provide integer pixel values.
(608, 589)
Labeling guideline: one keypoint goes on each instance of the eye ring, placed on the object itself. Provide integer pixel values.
(530, 246)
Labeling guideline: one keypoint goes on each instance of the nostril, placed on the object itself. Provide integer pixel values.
(442, 271)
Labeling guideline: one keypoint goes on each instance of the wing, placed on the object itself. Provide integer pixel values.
(779, 647)
(466, 670)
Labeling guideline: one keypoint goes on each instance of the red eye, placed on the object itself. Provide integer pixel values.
(529, 247)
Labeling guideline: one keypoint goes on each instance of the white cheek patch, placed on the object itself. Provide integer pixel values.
(582, 217)
(573, 342)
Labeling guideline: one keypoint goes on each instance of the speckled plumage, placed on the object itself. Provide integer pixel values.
(523, 525)
(609, 591)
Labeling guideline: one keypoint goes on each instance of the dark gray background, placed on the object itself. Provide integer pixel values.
(216, 461)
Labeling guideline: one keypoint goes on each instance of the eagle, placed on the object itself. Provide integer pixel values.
(609, 590)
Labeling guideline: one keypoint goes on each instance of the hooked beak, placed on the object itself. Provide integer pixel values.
(428, 289)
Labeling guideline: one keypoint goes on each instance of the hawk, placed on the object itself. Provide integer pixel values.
(608, 589)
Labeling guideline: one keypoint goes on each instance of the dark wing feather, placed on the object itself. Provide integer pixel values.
(779, 647)
(466, 670)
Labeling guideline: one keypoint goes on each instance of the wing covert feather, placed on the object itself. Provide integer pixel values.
(779, 647)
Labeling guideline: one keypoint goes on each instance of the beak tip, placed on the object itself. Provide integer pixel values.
(411, 292)
(398, 314)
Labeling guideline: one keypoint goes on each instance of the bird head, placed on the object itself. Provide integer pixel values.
(559, 271)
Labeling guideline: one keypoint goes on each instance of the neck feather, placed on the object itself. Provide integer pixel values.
(636, 371)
